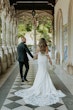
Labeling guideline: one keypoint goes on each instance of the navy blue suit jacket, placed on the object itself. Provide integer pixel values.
(22, 51)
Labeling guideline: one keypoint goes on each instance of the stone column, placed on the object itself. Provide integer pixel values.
(15, 26)
(0, 55)
(0, 31)
(0, 44)
(53, 45)
(11, 32)
(14, 35)
(57, 47)
(8, 39)
(8, 30)
(34, 39)
(11, 39)
(70, 48)
(14, 31)
(4, 48)
(34, 25)
(3, 17)
(16, 41)
(0, 39)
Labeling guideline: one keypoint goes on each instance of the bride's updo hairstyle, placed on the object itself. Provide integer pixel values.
(42, 45)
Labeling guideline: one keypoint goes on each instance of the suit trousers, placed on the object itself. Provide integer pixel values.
(21, 64)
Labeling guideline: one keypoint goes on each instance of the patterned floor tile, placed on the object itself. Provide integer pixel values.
(17, 88)
(56, 105)
(12, 105)
(5, 108)
(68, 100)
(31, 106)
(45, 108)
(14, 98)
(14, 86)
(61, 101)
(10, 95)
(26, 86)
(21, 101)
(22, 108)
(12, 90)
(63, 107)
(16, 82)
(13, 102)
(7, 101)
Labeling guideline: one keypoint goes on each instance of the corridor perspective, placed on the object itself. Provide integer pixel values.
(61, 80)
(34, 19)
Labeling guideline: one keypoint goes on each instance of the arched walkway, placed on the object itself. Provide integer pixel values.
(59, 38)
(10, 101)
(9, 70)
(70, 38)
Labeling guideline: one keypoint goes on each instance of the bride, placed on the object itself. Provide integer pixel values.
(43, 91)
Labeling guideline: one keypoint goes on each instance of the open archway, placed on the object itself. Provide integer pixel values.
(0, 30)
(59, 37)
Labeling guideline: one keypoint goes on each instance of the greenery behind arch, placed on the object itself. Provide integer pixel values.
(44, 28)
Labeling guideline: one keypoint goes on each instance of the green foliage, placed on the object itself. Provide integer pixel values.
(43, 28)
(28, 27)
(0, 25)
(23, 28)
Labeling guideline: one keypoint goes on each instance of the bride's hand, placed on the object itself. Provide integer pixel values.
(50, 62)
(49, 59)
(35, 57)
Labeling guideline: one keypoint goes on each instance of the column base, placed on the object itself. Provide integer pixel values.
(57, 58)
(53, 52)
(3, 61)
(0, 66)
(70, 69)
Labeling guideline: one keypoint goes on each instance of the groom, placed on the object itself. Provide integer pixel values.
(22, 51)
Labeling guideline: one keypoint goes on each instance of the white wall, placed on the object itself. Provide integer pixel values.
(64, 6)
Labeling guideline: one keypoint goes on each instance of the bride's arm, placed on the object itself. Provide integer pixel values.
(46, 49)
(37, 50)
(49, 58)
(36, 56)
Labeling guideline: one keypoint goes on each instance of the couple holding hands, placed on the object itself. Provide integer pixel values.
(43, 91)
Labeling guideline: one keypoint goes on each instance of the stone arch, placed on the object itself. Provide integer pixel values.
(0, 31)
(70, 38)
(0, 26)
(59, 37)
(70, 32)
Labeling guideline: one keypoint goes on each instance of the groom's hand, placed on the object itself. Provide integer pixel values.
(35, 57)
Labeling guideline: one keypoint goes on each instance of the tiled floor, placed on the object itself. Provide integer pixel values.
(13, 102)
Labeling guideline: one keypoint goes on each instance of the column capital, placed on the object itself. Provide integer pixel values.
(0, 6)
(8, 17)
(3, 13)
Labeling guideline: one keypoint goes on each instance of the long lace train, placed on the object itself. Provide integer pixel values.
(43, 91)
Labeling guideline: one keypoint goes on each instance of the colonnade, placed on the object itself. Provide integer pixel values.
(8, 36)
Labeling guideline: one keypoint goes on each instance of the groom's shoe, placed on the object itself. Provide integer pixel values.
(26, 80)
(22, 79)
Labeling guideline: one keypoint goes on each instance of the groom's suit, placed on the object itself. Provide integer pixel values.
(22, 50)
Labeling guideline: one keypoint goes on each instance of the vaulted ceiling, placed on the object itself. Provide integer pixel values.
(33, 4)
(25, 7)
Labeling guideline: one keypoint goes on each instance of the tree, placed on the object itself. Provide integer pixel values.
(44, 29)
(23, 28)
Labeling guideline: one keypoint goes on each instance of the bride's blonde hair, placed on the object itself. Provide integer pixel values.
(42, 45)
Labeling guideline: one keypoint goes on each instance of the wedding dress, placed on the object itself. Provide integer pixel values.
(43, 91)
